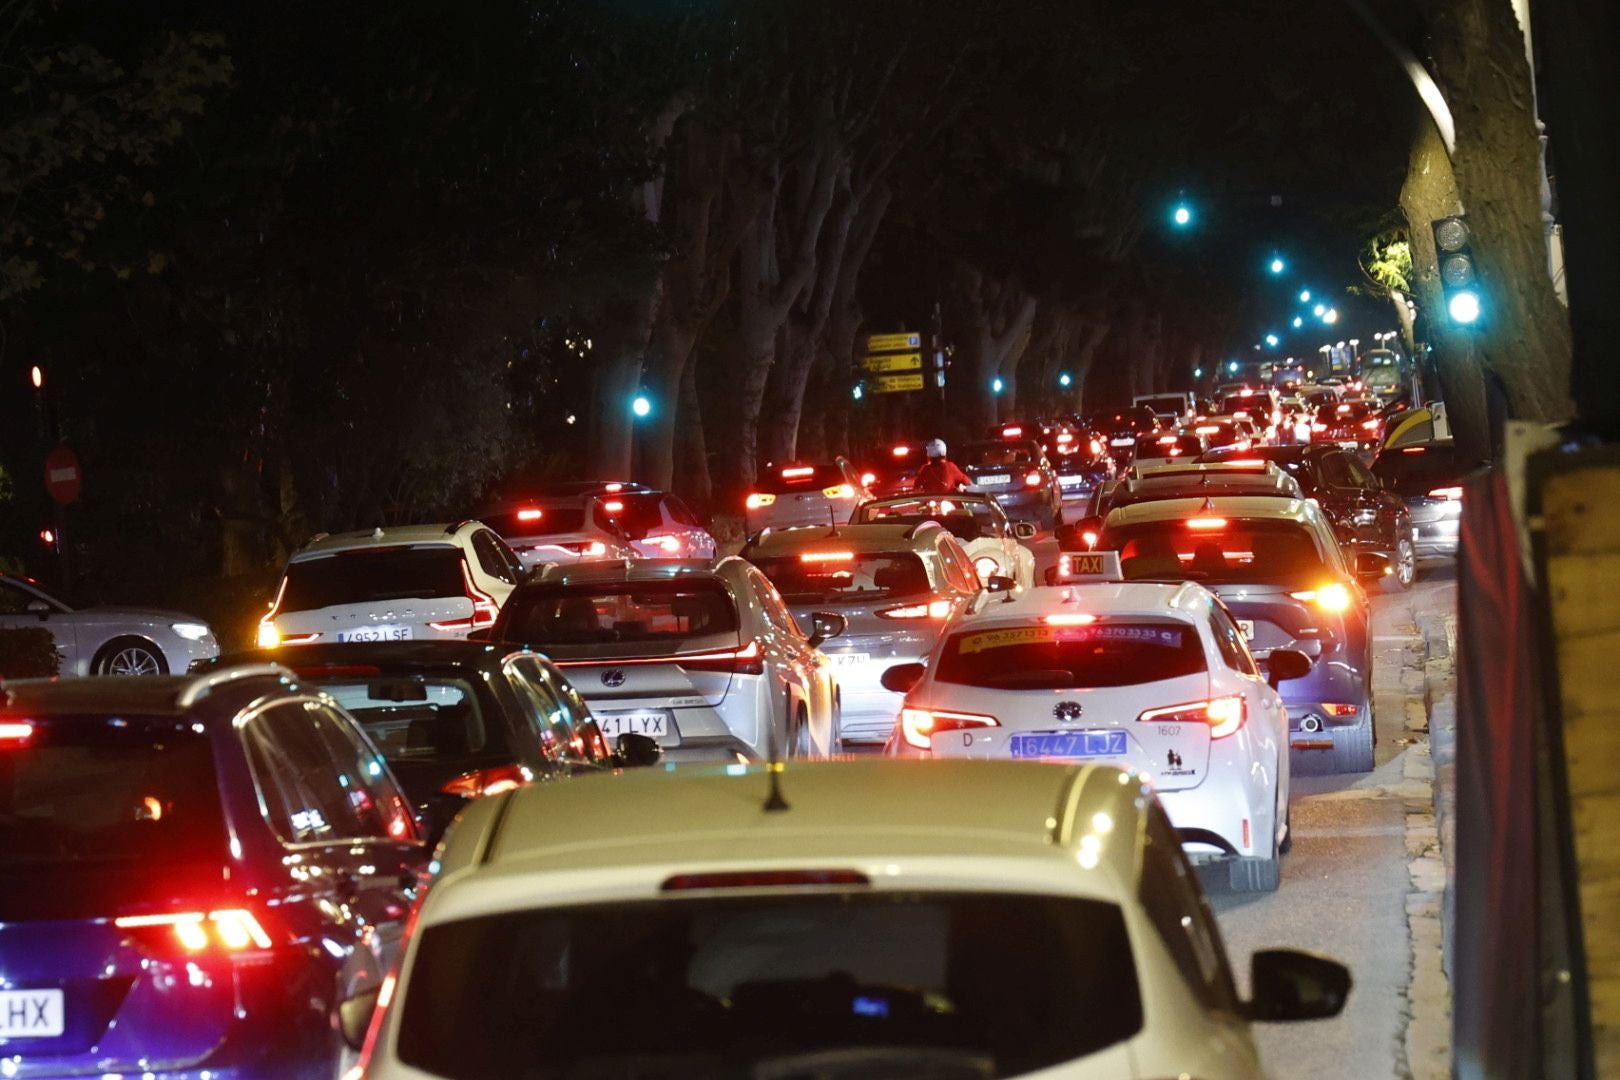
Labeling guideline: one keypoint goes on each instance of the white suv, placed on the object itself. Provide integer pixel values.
(412, 583)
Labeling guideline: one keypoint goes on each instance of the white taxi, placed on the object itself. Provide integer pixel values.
(1151, 677)
(827, 919)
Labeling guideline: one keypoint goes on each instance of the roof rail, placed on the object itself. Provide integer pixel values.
(203, 685)
(452, 529)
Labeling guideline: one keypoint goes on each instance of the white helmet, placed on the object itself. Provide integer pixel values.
(935, 448)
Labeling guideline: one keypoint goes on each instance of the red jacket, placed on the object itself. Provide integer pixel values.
(940, 475)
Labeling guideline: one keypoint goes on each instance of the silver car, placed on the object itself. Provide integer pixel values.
(107, 640)
(561, 529)
(802, 493)
(703, 657)
(894, 585)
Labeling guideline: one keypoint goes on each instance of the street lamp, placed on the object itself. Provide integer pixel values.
(37, 377)
(1232, 367)
(1304, 296)
(1319, 310)
(1330, 316)
(858, 392)
(1299, 321)
(1064, 380)
(1198, 373)
(1271, 340)
(641, 405)
(1277, 264)
(1181, 216)
(996, 385)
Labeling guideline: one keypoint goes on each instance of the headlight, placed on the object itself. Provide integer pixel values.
(191, 631)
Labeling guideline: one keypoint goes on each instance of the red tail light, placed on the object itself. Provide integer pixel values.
(1446, 493)
(471, 785)
(15, 732)
(748, 660)
(934, 609)
(1032, 479)
(530, 514)
(227, 931)
(485, 610)
(918, 726)
(1223, 715)
(1334, 709)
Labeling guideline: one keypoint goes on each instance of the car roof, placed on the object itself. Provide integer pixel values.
(1181, 599)
(627, 570)
(149, 695)
(393, 536)
(699, 816)
(874, 537)
(1240, 506)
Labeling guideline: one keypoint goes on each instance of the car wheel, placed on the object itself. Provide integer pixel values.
(1405, 562)
(802, 747)
(1353, 748)
(130, 656)
(1287, 844)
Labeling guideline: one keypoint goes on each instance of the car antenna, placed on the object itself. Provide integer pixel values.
(832, 519)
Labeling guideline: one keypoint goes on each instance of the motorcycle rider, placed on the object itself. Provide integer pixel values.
(940, 475)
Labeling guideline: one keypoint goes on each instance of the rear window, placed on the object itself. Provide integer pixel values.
(637, 515)
(536, 520)
(1236, 551)
(825, 577)
(1419, 471)
(983, 985)
(964, 519)
(784, 478)
(1042, 657)
(1348, 412)
(990, 454)
(424, 725)
(1170, 404)
(1253, 404)
(103, 788)
(1382, 376)
(609, 613)
(374, 574)
(1187, 446)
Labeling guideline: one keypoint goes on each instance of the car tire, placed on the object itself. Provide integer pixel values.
(1406, 570)
(129, 656)
(802, 747)
(1353, 747)
(1287, 844)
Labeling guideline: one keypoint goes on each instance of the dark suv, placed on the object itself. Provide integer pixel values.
(204, 875)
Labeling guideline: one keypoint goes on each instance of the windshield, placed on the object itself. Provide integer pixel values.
(1233, 551)
(1418, 470)
(826, 577)
(373, 574)
(964, 519)
(1101, 654)
(753, 986)
(637, 515)
(595, 613)
(989, 455)
(1166, 446)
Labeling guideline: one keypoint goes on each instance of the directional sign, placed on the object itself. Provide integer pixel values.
(62, 475)
(877, 343)
(894, 362)
(894, 384)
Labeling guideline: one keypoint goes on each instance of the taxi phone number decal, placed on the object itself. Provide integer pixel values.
(1037, 635)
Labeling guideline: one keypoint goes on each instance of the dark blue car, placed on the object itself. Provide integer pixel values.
(198, 876)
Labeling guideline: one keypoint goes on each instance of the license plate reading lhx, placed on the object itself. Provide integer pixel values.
(30, 1014)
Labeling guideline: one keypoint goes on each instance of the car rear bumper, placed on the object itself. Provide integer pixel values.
(1221, 818)
(1311, 725)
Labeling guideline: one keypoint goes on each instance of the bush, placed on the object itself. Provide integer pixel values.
(28, 652)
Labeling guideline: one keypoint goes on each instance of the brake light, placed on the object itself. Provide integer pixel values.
(1011, 432)
(1342, 409)
(1096, 446)
(918, 726)
(1370, 425)
(1032, 479)
(1247, 461)
(1069, 619)
(798, 473)
(1207, 429)
(232, 930)
(1206, 524)
(494, 781)
(613, 488)
(670, 544)
(1223, 715)
(764, 879)
(485, 610)
(1240, 415)
(15, 732)
(1331, 597)
(1175, 451)
(1167, 440)
(827, 556)
(613, 507)
(1414, 449)
(530, 513)
(868, 478)
(1335, 709)
(1065, 436)
(1446, 493)
(1318, 426)
(839, 491)
(934, 609)
(900, 451)
(758, 499)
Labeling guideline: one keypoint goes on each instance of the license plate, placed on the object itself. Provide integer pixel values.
(1348, 444)
(998, 478)
(652, 722)
(376, 633)
(849, 659)
(1071, 479)
(30, 1014)
(1068, 744)
(1247, 626)
(1121, 442)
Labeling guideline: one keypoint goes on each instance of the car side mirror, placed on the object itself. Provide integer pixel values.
(903, 677)
(354, 1016)
(1292, 985)
(1373, 565)
(1000, 583)
(1023, 530)
(1080, 535)
(1285, 664)
(825, 625)
(636, 751)
(40, 608)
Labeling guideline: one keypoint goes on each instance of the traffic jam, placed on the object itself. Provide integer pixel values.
(671, 806)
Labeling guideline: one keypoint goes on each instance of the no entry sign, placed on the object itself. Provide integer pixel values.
(62, 476)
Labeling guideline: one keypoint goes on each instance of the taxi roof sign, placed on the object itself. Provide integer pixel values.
(1082, 566)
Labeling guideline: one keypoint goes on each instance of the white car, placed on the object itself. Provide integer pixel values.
(804, 493)
(853, 919)
(562, 528)
(412, 583)
(1151, 677)
(703, 657)
(107, 640)
(977, 521)
(658, 525)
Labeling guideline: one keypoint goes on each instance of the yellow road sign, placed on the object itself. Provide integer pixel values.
(876, 343)
(894, 384)
(894, 362)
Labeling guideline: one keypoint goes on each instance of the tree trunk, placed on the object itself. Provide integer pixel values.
(691, 449)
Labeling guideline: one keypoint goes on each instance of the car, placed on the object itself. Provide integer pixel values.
(978, 523)
(106, 640)
(894, 584)
(804, 493)
(1171, 409)
(659, 525)
(1083, 463)
(1190, 480)
(413, 582)
(1122, 429)
(1018, 476)
(562, 528)
(1260, 406)
(892, 469)
(704, 657)
(1224, 431)
(203, 875)
(1169, 446)
(1427, 476)
(830, 919)
(1365, 514)
(1278, 567)
(460, 719)
(1356, 425)
(1155, 678)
